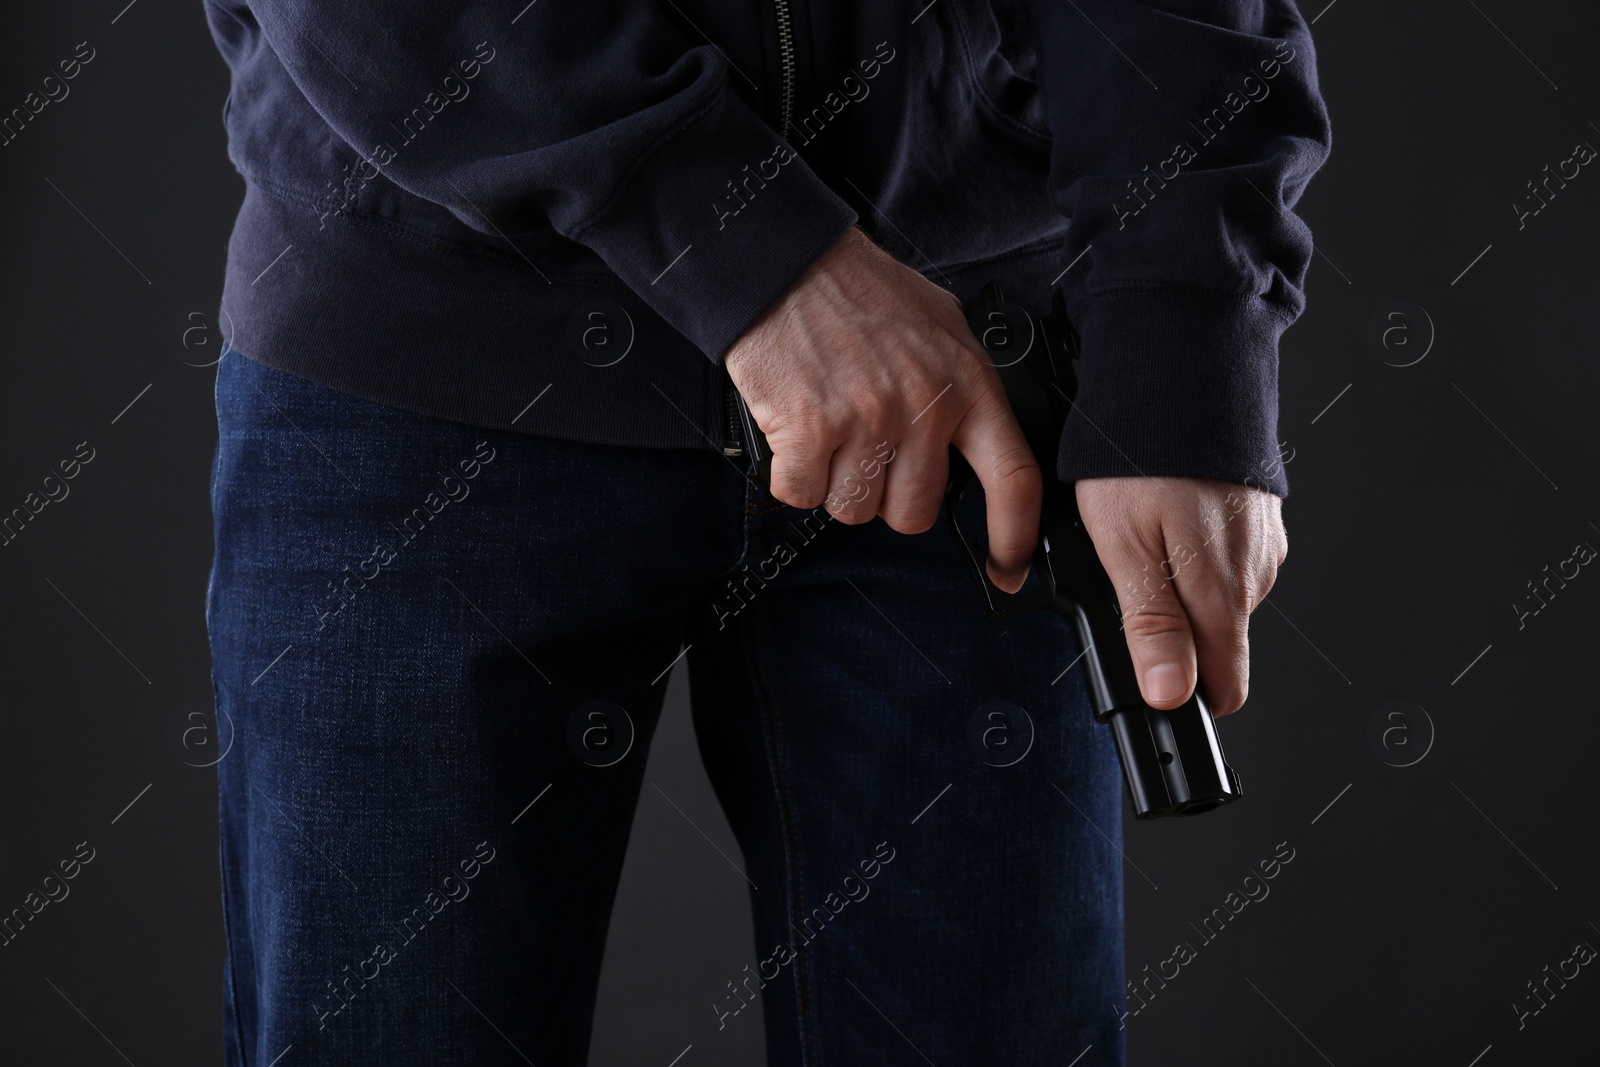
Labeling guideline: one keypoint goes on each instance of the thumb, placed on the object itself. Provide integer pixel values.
(1154, 622)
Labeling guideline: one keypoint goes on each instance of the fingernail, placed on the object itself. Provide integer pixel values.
(997, 574)
(1164, 682)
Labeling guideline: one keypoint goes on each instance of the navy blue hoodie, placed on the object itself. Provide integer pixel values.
(555, 217)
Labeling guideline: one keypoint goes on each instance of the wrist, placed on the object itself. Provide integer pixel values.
(825, 271)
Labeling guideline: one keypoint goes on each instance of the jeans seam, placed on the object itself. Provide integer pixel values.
(793, 859)
(223, 851)
(232, 956)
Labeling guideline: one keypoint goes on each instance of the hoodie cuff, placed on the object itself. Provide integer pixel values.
(1177, 382)
(715, 223)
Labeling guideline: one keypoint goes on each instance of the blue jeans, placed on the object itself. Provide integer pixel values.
(441, 653)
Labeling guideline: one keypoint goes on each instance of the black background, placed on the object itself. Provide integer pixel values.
(1423, 499)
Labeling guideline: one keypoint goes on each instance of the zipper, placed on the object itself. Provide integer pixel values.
(786, 56)
(734, 445)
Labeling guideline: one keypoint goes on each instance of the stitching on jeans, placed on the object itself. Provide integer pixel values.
(744, 543)
(232, 956)
(223, 852)
(794, 863)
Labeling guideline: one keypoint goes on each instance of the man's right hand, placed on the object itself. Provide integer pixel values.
(860, 351)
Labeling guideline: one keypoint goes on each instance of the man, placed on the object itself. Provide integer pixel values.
(478, 488)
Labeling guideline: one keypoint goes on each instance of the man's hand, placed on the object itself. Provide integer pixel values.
(861, 351)
(1191, 559)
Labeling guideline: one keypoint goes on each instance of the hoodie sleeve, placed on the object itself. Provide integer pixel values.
(597, 118)
(1184, 132)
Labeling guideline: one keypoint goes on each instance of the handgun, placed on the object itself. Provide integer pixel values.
(1172, 761)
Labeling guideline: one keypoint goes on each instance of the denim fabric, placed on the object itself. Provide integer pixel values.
(420, 628)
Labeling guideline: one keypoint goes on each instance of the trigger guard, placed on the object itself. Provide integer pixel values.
(998, 604)
(952, 503)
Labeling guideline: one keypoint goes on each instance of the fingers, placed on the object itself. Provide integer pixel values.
(1191, 560)
(801, 466)
(863, 351)
(913, 487)
(856, 477)
(1241, 548)
(1213, 598)
(857, 354)
(1155, 622)
(1013, 487)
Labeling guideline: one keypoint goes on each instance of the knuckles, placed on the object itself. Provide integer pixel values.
(790, 490)
(1151, 621)
(1018, 467)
